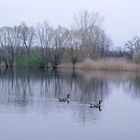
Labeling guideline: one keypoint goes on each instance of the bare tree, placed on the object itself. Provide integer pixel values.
(27, 36)
(44, 38)
(4, 45)
(58, 45)
(17, 43)
(14, 44)
(133, 46)
(73, 43)
(91, 33)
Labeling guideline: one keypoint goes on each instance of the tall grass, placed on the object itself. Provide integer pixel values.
(112, 64)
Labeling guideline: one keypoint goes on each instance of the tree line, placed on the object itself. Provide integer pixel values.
(45, 45)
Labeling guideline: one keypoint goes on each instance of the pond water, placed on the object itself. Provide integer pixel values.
(30, 110)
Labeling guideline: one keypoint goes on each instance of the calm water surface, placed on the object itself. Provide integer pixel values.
(30, 110)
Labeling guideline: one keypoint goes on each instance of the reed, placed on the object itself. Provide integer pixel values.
(112, 64)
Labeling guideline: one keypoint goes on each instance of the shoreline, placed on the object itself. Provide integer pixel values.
(108, 64)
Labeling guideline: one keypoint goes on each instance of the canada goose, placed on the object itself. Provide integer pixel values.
(64, 99)
(96, 105)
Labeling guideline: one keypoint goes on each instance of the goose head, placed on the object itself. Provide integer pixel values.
(100, 101)
(68, 95)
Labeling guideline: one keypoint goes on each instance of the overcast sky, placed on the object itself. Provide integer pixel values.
(121, 17)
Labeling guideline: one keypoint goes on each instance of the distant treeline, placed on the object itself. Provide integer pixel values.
(45, 46)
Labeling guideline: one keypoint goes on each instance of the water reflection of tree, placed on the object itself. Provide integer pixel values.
(131, 86)
(38, 88)
(18, 85)
(135, 86)
(14, 88)
(26, 89)
(86, 91)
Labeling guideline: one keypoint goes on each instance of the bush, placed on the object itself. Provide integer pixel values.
(33, 60)
(136, 57)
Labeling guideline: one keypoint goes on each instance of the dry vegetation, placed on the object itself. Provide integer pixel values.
(111, 64)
